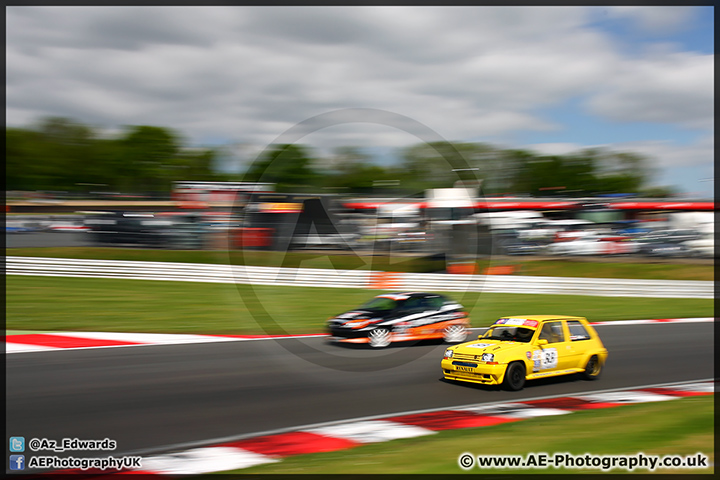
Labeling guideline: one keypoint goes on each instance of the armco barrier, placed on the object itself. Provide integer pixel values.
(196, 272)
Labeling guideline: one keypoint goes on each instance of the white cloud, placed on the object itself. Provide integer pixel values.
(554, 148)
(675, 88)
(668, 153)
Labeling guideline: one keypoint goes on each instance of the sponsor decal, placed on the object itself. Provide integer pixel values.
(442, 318)
(528, 355)
(517, 322)
(480, 345)
(450, 306)
(280, 207)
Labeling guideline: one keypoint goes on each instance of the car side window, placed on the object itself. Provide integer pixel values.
(552, 332)
(413, 305)
(577, 331)
(435, 303)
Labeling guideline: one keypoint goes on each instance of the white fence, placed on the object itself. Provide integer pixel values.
(200, 272)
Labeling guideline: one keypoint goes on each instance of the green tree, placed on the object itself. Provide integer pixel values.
(289, 166)
(148, 158)
(442, 164)
(511, 174)
(22, 170)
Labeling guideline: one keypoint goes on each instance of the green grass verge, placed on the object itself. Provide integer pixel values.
(675, 427)
(660, 271)
(552, 268)
(83, 304)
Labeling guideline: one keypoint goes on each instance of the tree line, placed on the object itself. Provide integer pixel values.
(62, 154)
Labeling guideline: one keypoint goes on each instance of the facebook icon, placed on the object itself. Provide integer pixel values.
(17, 462)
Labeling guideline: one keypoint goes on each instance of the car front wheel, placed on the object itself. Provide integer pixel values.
(455, 334)
(515, 376)
(379, 338)
(593, 369)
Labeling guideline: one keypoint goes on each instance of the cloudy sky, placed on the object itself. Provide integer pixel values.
(552, 79)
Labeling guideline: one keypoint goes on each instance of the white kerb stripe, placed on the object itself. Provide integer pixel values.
(371, 431)
(693, 320)
(22, 347)
(204, 460)
(149, 338)
(499, 409)
(704, 387)
(625, 322)
(626, 397)
(535, 412)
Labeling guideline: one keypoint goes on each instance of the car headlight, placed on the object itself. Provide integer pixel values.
(488, 357)
(448, 353)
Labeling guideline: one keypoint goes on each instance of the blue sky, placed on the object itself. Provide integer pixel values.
(551, 79)
(695, 33)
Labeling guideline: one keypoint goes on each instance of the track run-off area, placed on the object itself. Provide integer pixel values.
(176, 393)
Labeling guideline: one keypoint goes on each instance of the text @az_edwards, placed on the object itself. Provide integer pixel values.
(71, 444)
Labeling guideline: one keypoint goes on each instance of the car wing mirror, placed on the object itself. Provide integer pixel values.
(541, 342)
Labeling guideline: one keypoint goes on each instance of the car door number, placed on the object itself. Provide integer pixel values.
(549, 358)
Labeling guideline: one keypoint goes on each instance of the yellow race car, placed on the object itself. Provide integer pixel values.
(519, 348)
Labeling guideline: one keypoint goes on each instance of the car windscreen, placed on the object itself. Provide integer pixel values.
(381, 304)
(509, 333)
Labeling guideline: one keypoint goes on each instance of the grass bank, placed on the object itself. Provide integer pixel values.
(84, 304)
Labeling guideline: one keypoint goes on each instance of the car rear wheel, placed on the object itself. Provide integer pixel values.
(379, 338)
(514, 376)
(593, 369)
(455, 333)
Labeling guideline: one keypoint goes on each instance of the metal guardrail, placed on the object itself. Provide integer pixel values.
(309, 277)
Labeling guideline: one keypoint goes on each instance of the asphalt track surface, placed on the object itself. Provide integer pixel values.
(154, 398)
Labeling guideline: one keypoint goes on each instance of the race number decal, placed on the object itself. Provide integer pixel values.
(549, 358)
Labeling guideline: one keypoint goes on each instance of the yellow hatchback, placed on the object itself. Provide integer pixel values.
(519, 348)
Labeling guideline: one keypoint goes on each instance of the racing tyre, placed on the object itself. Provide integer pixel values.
(593, 369)
(514, 376)
(455, 334)
(379, 338)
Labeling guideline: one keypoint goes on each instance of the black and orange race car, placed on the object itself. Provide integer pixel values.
(394, 317)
